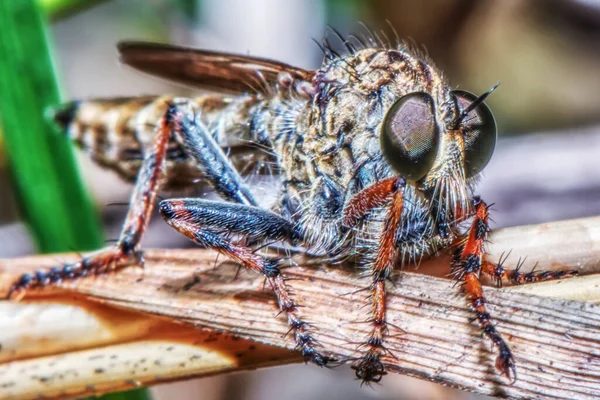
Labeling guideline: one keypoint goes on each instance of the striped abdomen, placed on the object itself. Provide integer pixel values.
(116, 132)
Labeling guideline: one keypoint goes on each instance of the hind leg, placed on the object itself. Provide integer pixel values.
(126, 251)
(178, 120)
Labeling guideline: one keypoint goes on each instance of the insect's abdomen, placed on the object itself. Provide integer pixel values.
(113, 132)
(116, 132)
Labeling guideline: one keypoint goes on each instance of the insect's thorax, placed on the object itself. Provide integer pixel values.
(328, 149)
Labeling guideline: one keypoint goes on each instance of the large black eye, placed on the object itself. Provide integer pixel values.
(480, 133)
(409, 137)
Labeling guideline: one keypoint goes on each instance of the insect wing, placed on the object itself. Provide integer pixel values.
(206, 69)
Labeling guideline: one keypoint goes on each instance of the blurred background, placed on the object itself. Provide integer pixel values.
(545, 53)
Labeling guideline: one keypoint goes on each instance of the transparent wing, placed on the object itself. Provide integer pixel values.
(206, 69)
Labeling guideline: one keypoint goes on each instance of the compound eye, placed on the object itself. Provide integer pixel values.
(409, 137)
(479, 133)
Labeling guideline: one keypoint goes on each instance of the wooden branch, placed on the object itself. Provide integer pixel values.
(91, 339)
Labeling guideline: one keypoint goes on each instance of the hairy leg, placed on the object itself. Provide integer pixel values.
(125, 252)
(206, 222)
(498, 273)
(212, 161)
(369, 368)
(466, 267)
(178, 120)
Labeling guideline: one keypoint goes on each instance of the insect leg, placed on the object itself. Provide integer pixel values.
(370, 198)
(467, 267)
(126, 251)
(205, 222)
(498, 273)
(211, 160)
(369, 368)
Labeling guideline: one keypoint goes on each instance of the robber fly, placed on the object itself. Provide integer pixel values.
(376, 153)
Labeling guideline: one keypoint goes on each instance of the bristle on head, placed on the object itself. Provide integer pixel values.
(63, 114)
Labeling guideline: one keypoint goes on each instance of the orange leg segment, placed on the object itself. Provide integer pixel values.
(126, 251)
(369, 368)
(467, 267)
(498, 273)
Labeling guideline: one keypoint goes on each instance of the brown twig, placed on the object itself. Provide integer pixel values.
(94, 341)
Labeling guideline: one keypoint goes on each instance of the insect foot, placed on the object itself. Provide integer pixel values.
(369, 368)
(97, 263)
(505, 363)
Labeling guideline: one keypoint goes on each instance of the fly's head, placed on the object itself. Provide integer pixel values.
(441, 140)
(404, 119)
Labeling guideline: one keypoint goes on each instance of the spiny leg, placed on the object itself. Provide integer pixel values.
(369, 368)
(498, 273)
(467, 267)
(180, 120)
(253, 223)
(214, 164)
(205, 222)
(141, 203)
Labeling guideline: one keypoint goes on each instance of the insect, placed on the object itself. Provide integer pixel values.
(376, 153)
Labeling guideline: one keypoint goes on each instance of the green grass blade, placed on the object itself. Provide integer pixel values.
(61, 8)
(52, 200)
